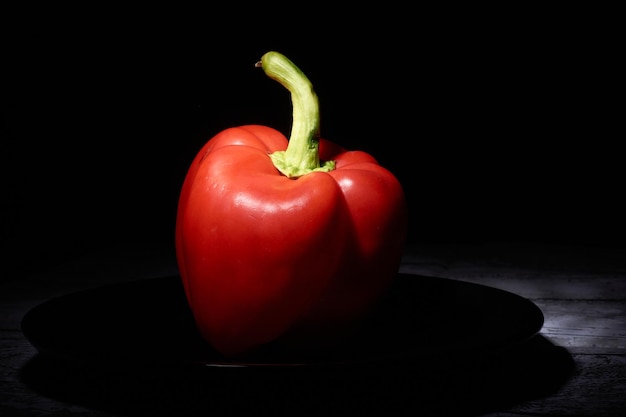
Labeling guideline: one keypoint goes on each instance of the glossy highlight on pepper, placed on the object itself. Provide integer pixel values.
(285, 240)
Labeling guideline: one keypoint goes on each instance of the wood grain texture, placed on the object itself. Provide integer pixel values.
(581, 292)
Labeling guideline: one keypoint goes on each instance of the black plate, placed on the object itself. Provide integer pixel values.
(147, 323)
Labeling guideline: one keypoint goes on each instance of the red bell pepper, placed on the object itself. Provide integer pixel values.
(277, 237)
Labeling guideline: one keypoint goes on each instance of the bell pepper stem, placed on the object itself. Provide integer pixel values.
(302, 154)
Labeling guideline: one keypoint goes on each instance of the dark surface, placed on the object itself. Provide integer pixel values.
(572, 367)
(451, 385)
(421, 317)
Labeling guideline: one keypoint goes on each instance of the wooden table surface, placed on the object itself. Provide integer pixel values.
(575, 366)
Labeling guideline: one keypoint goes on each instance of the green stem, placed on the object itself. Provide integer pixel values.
(302, 154)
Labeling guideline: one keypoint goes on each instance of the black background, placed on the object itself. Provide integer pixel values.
(499, 123)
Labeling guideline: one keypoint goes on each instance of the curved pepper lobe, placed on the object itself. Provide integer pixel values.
(256, 249)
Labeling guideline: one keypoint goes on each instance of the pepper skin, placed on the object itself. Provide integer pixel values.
(262, 255)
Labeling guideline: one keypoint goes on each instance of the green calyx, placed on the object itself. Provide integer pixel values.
(302, 154)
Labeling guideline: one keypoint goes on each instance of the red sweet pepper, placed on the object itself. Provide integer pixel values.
(277, 237)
